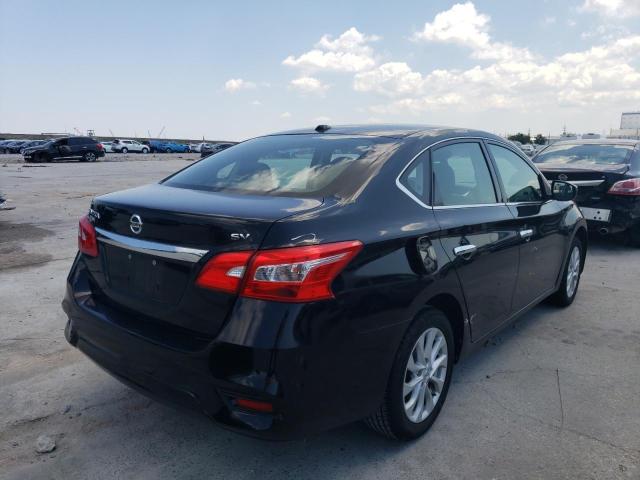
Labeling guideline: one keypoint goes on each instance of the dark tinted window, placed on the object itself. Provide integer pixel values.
(286, 165)
(80, 141)
(520, 181)
(416, 178)
(461, 176)
(586, 154)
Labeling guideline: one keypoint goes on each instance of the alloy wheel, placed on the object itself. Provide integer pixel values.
(573, 271)
(425, 375)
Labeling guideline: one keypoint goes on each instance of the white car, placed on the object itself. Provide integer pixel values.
(107, 146)
(197, 147)
(528, 149)
(125, 146)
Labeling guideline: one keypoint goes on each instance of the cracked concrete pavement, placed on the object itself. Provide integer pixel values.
(555, 396)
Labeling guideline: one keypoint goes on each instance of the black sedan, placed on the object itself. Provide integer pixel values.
(297, 282)
(607, 174)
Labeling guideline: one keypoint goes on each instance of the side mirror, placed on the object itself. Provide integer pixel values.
(563, 191)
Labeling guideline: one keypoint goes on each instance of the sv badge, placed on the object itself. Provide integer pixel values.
(240, 236)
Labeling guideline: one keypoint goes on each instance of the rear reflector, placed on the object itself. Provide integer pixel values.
(87, 240)
(626, 187)
(254, 405)
(296, 274)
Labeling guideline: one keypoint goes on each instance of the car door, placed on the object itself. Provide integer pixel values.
(478, 231)
(542, 238)
(77, 147)
(62, 148)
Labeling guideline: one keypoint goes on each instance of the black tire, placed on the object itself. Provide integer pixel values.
(168, 150)
(89, 157)
(145, 150)
(563, 296)
(390, 419)
(124, 150)
(42, 158)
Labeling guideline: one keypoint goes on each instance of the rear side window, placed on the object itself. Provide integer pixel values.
(416, 178)
(586, 154)
(461, 176)
(520, 181)
(295, 165)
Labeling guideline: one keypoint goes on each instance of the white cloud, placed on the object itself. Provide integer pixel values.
(613, 8)
(308, 85)
(257, 103)
(235, 84)
(463, 25)
(393, 79)
(350, 52)
(285, 115)
(605, 75)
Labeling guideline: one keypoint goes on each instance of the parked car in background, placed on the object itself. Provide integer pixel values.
(84, 148)
(211, 148)
(168, 147)
(107, 146)
(196, 147)
(32, 143)
(300, 281)
(3, 143)
(607, 174)
(528, 149)
(14, 146)
(126, 146)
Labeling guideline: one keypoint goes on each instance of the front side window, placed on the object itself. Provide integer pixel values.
(520, 181)
(461, 176)
(299, 165)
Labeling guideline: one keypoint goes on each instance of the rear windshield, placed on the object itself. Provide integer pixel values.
(598, 154)
(296, 165)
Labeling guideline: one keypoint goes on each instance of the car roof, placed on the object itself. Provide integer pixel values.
(393, 130)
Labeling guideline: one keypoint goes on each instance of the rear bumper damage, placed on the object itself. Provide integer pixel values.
(255, 356)
(624, 214)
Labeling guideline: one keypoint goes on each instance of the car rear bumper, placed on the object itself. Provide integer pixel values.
(311, 387)
(624, 213)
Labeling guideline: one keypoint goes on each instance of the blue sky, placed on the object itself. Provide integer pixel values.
(231, 70)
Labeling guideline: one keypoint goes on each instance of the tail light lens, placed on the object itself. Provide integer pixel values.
(296, 274)
(626, 187)
(224, 272)
(100, 146)
(87, 239)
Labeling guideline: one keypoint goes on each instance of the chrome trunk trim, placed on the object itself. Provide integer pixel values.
(148, 247)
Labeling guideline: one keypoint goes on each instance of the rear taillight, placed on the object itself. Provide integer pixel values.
(224, 272)
(626, 187)
(100, 146)
(87, 240)
(296, 274)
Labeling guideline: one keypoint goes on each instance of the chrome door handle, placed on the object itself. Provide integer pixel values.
(527, 233)
(464, 250)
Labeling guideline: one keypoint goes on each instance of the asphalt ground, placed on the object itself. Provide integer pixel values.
(555, 396)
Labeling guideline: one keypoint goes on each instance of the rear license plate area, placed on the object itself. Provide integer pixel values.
(597, 214)
(145, 276)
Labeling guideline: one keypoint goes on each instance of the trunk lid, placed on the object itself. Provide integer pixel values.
(152, 273)
(593, 181)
